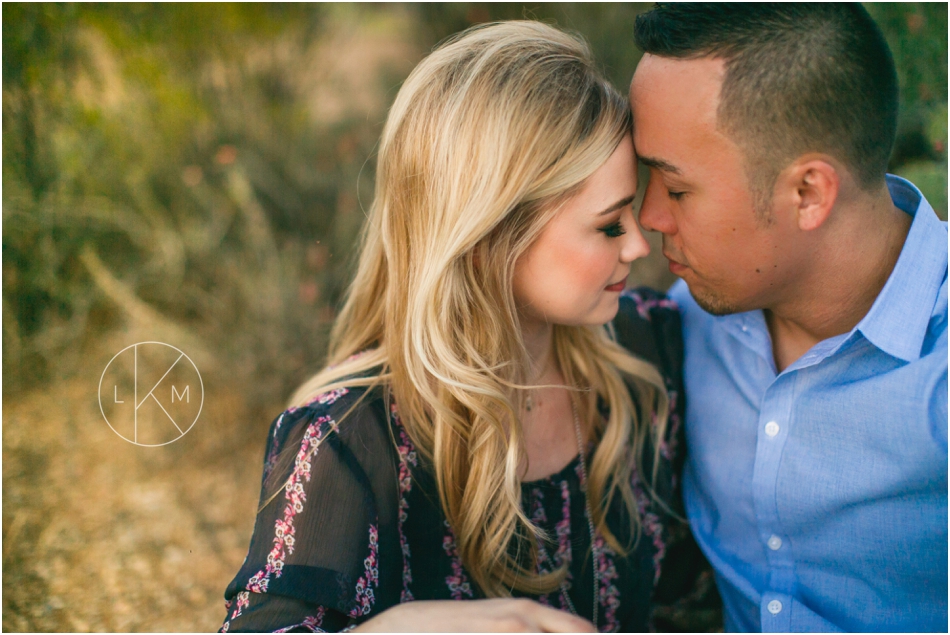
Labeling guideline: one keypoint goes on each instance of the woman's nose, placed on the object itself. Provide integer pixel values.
(635, 245)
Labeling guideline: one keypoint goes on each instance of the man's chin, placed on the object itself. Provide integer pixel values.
(712, 302)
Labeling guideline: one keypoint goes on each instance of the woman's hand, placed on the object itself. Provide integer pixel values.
(467, 616)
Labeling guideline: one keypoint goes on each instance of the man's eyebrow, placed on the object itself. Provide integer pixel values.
(621, 203)
(660, 164)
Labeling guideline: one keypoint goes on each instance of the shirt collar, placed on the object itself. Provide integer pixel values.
(898, 319)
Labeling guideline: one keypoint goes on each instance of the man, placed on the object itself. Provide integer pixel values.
(814, 302)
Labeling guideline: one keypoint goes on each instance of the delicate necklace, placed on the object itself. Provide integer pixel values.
(590, 522)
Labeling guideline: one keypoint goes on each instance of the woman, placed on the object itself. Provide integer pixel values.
(478, 435)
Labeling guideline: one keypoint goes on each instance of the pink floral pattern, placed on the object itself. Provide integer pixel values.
(439, 571)
(650, 523)
(311, 622)
(295, 496)
(562, 531)
(370, 579)
(323, 399)
(644, 305)
(407, 457)
(608, 595)
(458, 581)
(241, 600)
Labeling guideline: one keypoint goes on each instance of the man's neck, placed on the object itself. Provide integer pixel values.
(840, 290)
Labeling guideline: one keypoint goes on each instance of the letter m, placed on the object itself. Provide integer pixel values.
(180, 396)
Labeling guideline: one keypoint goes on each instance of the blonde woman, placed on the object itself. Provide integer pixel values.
(478, 434)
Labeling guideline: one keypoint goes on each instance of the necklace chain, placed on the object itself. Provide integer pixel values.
(595, 552)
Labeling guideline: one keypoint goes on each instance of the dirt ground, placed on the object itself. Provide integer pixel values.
(103, 535)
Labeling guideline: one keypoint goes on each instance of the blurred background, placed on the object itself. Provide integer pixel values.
(197, 174)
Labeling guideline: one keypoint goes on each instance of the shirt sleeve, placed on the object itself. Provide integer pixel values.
(312, 564)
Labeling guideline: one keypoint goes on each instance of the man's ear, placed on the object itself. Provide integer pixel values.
(813, 185)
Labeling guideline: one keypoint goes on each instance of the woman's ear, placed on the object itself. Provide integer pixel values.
(813, 185)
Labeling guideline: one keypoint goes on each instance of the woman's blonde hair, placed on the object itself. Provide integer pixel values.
(487, 137)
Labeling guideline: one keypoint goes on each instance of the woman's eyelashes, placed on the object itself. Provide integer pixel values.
(614, 230)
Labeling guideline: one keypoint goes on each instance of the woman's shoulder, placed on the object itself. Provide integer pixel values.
(354, 417)
(350, 403)
(648, 325)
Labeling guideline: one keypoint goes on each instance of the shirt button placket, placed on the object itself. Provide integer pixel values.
(775, 413)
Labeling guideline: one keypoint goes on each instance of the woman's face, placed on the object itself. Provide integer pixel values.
(574, 272)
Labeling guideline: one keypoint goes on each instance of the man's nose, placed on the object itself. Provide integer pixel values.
(655, 213)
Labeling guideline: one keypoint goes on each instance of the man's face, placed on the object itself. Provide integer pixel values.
(732, 257)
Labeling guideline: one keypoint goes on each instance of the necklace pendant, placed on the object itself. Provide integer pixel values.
(528, 403)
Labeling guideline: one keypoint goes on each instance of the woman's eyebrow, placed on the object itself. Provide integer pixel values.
(621, 203)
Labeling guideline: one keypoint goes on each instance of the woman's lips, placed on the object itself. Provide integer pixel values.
(616, 287)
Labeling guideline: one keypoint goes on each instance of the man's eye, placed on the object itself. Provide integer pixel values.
(614, 230)
(676, 195)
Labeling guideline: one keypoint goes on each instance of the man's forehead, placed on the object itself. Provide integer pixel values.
(697, 79)
(675, 105)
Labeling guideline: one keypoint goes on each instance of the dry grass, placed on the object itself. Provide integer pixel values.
(102, 535)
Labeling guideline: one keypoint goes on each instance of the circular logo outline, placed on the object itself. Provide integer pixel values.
(200, 406)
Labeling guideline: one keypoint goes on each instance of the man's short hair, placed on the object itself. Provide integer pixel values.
(800, 77)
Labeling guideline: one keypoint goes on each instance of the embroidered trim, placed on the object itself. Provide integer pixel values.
(644, 305)
(650, 523)
(608, 594)
(539, 517)
(311, 623)
(458, 581)
(407, 456)
(668, 443)
(370, 579)
(323, 399)
(241, 600)
(284, 527)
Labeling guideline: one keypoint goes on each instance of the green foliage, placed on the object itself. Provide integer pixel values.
(917, 35)
(205, 165)
(174, 145)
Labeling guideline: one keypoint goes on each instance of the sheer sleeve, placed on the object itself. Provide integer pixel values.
(685, 598)
(313, 561)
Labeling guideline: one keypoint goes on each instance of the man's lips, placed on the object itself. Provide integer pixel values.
(617, 286)
(676, 267)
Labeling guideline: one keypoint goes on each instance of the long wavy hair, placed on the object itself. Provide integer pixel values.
(488, 136)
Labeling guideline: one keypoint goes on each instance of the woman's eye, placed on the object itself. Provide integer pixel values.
(614, 230)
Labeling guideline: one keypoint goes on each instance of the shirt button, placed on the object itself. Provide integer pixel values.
(775, 607)
(745, 329)
(775, 543)
(771, 428)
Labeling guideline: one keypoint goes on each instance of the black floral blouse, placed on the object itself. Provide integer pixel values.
(358, 527)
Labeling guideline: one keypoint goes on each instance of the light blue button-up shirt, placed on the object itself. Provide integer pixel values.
(819, 494)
